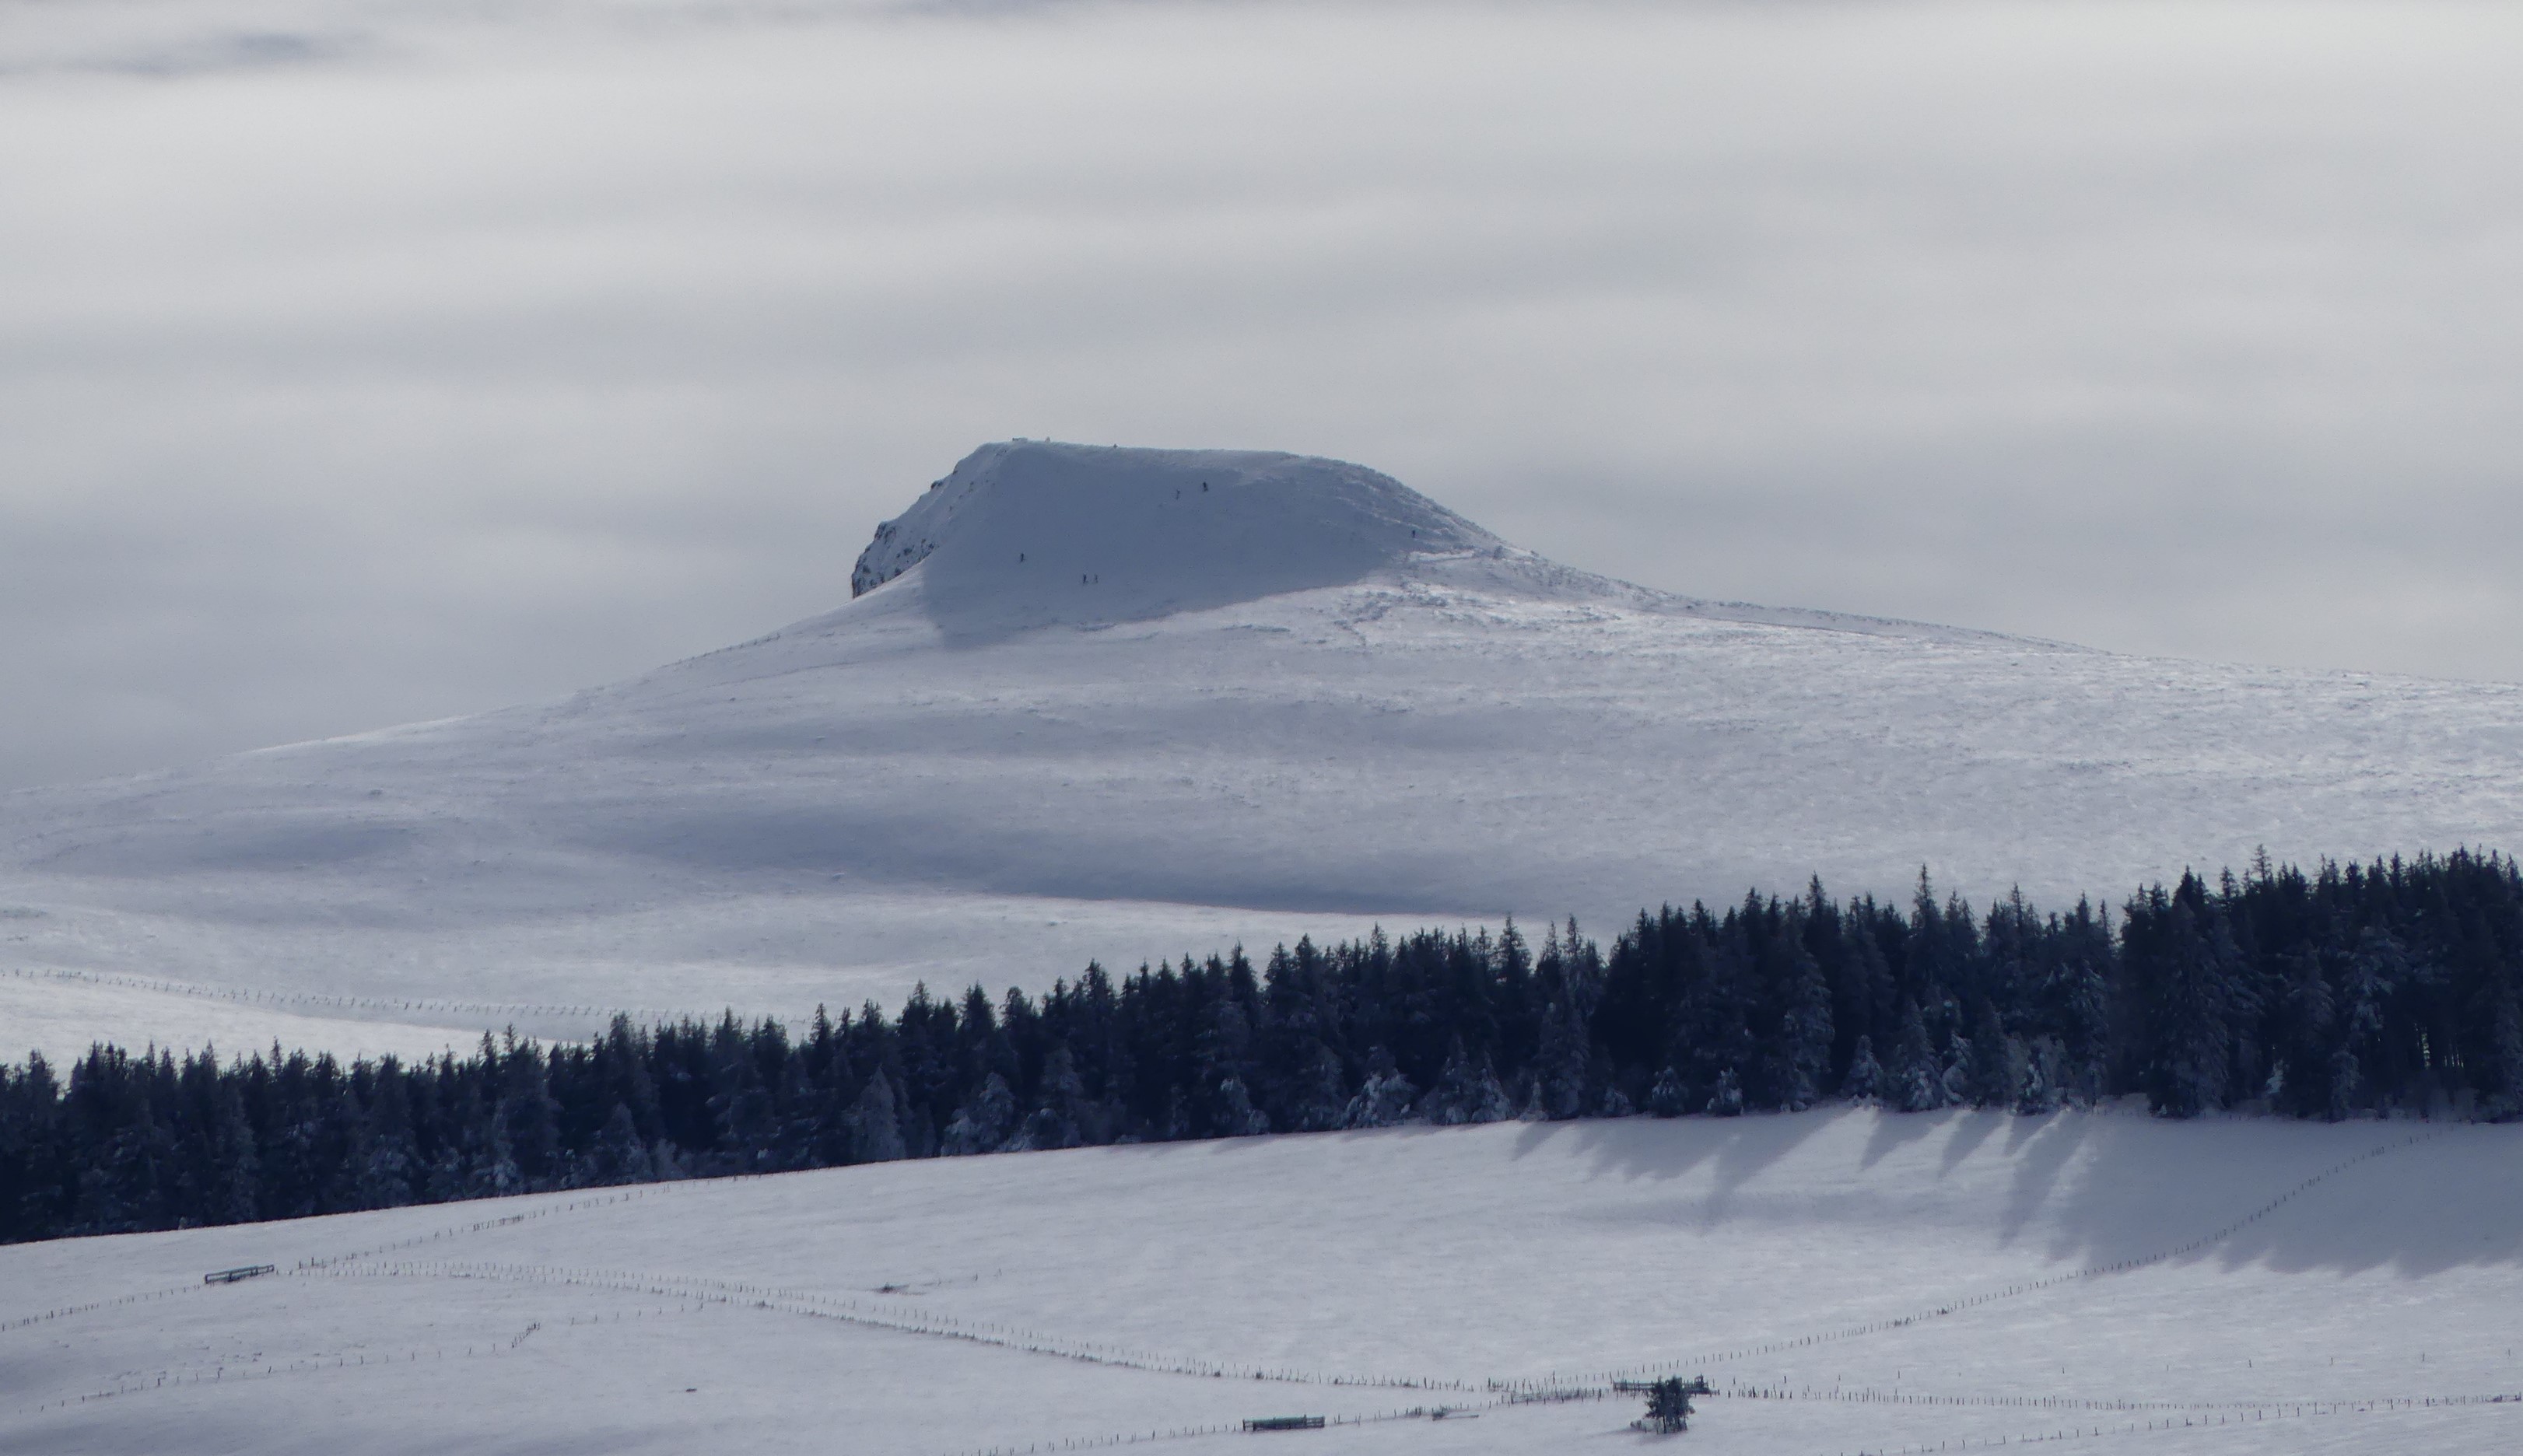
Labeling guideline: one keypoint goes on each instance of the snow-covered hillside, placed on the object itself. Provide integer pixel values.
(1855, 1281)
(1122, 704)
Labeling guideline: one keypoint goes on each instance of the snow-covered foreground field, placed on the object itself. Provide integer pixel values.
(1850, 1281)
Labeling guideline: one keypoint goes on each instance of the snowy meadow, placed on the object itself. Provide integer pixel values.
(1849, 1281)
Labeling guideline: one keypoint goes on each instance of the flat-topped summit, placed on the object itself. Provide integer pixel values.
(1028, 532)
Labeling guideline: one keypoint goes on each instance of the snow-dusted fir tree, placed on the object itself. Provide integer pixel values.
(1805, 1036)
(2193, 994)
(876, 1122)
(1568, 985)
(1320, 1092)
(2076, 995)
(985, 1122)
(2506, 1044)
(1386, 1100)
(494, 1170)
(1067, 1116)
(1468, 1091)
(1953, 1084)
(1917, 1081)
(1667, 1098)
(1235, 1114)
(1997, 1068)
(1727, 1098)
(2044, 1069)
(619, 1155)
(1863, 1083)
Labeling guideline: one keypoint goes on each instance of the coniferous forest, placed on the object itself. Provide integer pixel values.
(2395, 988)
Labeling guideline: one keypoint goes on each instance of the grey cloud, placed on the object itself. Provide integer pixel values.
(514, 348)
(250, 50)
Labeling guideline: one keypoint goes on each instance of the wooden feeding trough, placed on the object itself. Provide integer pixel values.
(1285, 1423)
(231, 1276)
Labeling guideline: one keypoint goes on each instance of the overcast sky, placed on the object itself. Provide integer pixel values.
(363, 362)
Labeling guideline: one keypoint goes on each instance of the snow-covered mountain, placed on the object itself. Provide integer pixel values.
(1097, 702)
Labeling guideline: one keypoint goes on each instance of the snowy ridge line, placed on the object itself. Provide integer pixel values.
(2097, 1271)
(241, 994)
(739, 1293)
(211, 1372)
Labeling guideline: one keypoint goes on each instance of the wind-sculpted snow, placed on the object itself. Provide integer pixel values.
(1268, 715)
(1849, 1281)
(1025, 534)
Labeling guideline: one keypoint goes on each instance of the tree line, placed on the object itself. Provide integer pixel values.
(2379, 989)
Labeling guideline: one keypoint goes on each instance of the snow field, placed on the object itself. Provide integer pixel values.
(1304, 724)
(62, 1013)
(1851, 1280)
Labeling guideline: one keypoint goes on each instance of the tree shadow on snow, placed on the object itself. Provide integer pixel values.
(2293, 1197)
(1896, 1131)
(1735, 1150)
(2041, 1149)
(2114, 1187)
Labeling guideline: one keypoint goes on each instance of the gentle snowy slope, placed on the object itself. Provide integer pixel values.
(1901, 1282)
(1089, 709)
